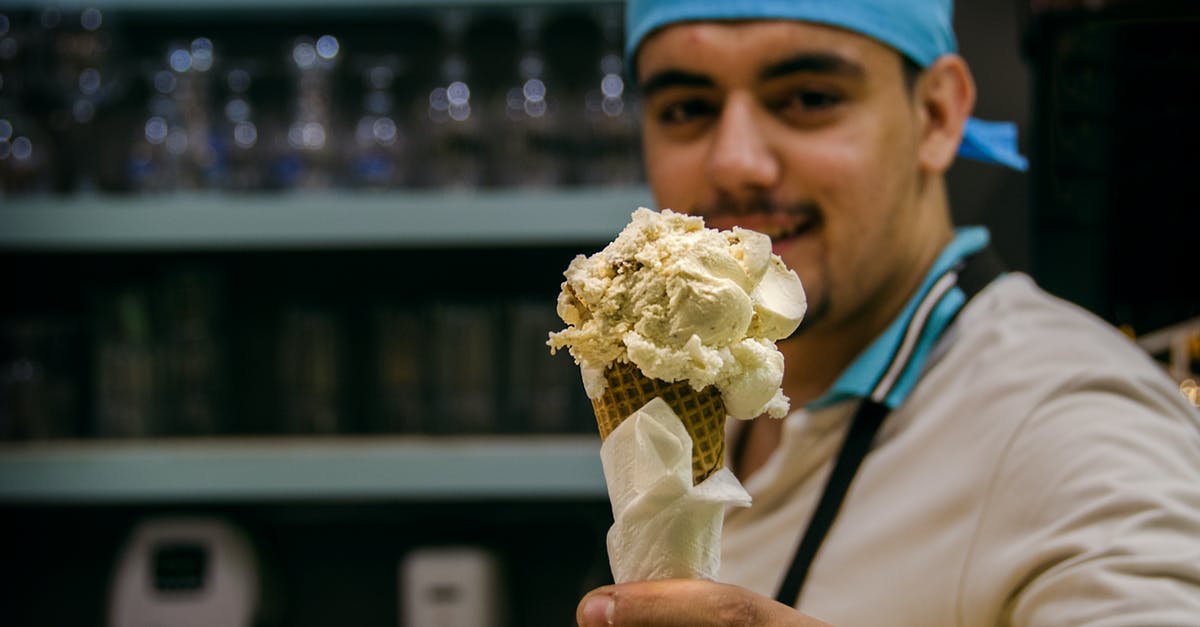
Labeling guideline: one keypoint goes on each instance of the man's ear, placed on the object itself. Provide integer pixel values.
(945, 97)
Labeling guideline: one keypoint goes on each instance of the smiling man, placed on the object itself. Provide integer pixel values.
(964, 448)
(814, 136)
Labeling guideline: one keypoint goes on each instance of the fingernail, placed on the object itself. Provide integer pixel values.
(598, 610)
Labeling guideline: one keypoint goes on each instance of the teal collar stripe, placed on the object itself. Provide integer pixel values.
(889, 368)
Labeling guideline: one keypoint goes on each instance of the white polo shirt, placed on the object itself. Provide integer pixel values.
(1039, 469)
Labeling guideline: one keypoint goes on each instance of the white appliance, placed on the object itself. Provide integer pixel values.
(185, 572)
(450, 587)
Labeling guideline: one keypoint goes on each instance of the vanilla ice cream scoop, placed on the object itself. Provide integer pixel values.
(684, 303)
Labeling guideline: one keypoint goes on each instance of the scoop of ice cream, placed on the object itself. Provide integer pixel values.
(684, 302)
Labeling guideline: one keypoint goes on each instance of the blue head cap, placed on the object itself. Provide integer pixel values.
(922, 30)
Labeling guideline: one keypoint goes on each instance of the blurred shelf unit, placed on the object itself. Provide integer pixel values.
(399, 314)
(264, 259)
(145, 98)
(298, 315)
(238, 219)
(315, 220)
(266, 470)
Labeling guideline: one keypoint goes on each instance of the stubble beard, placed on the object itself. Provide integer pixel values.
(818, 311)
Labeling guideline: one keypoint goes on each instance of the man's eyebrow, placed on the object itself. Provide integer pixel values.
(814, 63)
(806, 62)
(673, 78)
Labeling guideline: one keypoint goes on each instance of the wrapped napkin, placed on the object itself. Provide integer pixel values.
(664, 527)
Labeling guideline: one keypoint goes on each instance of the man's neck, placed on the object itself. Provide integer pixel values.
(805, 379)
(815, 358)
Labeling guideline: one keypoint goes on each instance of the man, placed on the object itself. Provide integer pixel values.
(997, 456)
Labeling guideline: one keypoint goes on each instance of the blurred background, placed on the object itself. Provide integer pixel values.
(277, 279)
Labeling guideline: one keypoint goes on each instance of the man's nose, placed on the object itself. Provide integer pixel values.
(742, 159)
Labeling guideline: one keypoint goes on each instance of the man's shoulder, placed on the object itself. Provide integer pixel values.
(1022, 365)
(1016, 342)
(1015, 319)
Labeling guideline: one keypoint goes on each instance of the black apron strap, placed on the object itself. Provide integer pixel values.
(866, 424)
(971, 276)
(978, 270)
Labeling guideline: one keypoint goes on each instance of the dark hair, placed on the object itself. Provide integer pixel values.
(910, 70)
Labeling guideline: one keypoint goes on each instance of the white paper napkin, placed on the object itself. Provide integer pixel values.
(664, 527)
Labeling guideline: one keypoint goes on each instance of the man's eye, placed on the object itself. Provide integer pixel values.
(685, 111)
(812, 100)
(818, 99)
(807, 106)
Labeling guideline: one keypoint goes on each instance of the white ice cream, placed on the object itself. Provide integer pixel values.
(684, 302)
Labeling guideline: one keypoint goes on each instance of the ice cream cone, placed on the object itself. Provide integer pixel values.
(702, 412)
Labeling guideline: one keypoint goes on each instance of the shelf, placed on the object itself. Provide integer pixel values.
(322, 220)
(300, 468)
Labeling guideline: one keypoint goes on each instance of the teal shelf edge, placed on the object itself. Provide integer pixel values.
(315, 220)
(300, 469)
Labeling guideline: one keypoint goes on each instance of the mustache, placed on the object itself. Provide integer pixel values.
(727, 206)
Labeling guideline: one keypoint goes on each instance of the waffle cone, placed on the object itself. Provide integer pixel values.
(702, 412)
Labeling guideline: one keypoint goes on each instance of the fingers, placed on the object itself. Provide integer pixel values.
(684, 603)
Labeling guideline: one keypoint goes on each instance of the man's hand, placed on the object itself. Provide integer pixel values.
(684, 603)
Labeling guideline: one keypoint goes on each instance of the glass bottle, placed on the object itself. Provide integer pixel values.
(454, 139)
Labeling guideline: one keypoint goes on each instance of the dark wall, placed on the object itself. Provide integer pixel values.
(1104, 98)
(989, 39)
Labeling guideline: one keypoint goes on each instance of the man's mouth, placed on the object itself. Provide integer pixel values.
(795, 228)
(782, 224)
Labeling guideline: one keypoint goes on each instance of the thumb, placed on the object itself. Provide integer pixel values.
(684, 603)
